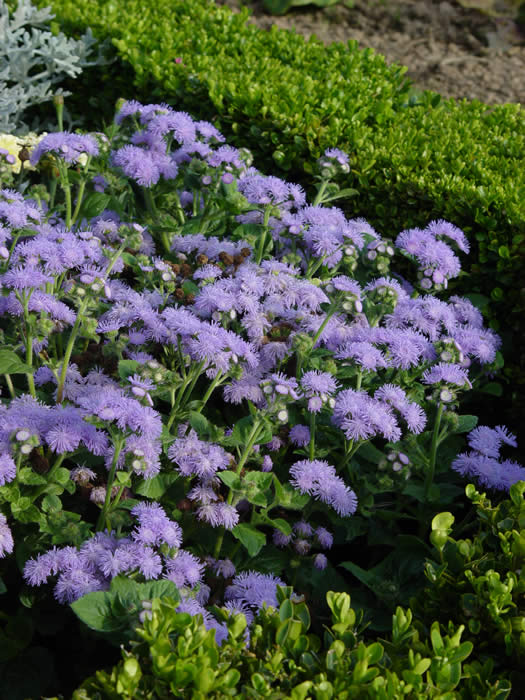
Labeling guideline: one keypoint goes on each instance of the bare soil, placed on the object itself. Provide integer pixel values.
(456, 51)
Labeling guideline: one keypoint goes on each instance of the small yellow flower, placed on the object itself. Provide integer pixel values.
(14, 145)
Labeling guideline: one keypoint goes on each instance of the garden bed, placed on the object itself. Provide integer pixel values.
(457, 51)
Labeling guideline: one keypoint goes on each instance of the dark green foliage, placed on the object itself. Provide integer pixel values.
(479, 581)
(177, 658)
(413, 157)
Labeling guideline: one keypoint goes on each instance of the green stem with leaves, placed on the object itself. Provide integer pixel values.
(302, 358)
(252, 438)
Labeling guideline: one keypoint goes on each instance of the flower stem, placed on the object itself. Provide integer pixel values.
(64, 182)
(217, 381)
(29, 347)
(252, 437)
(312, 436)
(319, 196)
(264, 236)
(433, 451)
(119, 444)
(69, 349)
(10, 385)
(80, 197)
(302, 358)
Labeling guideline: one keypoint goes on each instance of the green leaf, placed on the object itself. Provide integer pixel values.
(157, 486)
(28, 515)
(95, 611)
(93, 205)
(241, 433)
(61, 476)
(250, 538)
(466, 424)
(370, 453)
(493, 388)
(127, 367)
(261, 479)
(190, 287)
(231, 479)
(51, 502)
(288, 497)
(116, 610)
(281, 525)
(368, 578)
(199, 423)
(29, 477)
(348, 192)
(442, 521)
(10, 363)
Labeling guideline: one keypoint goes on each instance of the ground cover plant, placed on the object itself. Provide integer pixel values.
(207, 58)
(213, 388)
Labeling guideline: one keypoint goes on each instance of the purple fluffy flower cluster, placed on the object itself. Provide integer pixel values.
(61, 427)
(104, 556)
(437, 261)
(16, 212)
(150, 154)
(484, 462)
(303, 538)
(66, 146)
(195, 457)
(361, 417)
(317, 478)
(254, 590)
(318, 388)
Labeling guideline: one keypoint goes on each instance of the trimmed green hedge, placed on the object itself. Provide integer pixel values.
(414, 157)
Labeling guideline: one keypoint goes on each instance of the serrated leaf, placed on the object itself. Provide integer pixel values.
(29, 477)
(261, 479)
(50, 502)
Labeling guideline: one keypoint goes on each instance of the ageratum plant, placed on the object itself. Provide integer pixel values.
(206, 378)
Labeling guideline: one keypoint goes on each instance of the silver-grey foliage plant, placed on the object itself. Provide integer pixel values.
(33, 60)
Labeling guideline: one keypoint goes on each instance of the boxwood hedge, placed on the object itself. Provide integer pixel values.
(414, 155)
